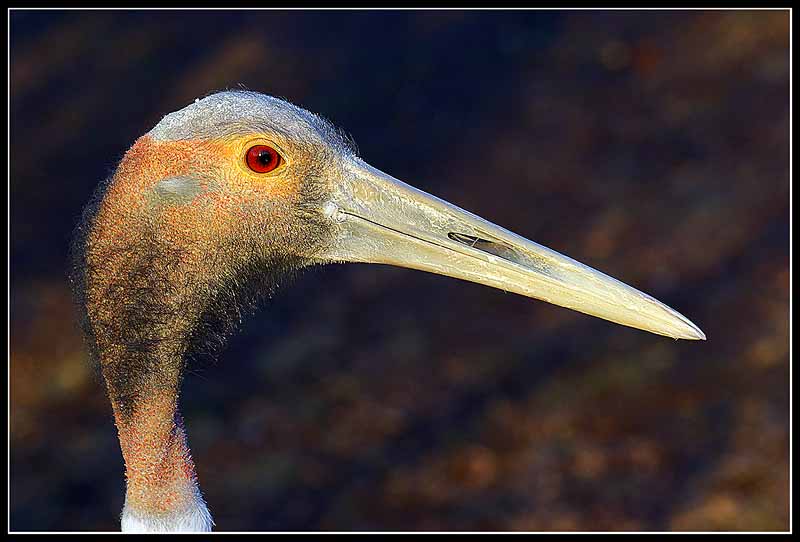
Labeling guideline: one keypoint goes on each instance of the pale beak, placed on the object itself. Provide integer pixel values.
(379, 219)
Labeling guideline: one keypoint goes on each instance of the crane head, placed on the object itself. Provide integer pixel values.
(209, 209)
(240, 184)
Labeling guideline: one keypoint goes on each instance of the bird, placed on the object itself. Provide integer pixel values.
(216, 206)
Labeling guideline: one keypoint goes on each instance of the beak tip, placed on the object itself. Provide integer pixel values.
(693, 333)
(681, 327)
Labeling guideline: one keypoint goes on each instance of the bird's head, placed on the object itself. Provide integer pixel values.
(232, 180)
(218, 201)
(240, 186)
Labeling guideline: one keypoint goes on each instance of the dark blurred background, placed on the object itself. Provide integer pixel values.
(651, 145)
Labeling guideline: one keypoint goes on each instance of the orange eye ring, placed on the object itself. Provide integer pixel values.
(262, 158)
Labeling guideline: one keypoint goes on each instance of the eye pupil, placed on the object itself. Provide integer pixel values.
(262, 158)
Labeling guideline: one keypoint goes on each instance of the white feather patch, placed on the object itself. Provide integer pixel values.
(197, 519)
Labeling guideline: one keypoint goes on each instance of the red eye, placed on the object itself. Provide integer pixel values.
(262, 159)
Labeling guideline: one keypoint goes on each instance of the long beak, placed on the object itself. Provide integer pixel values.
(383, 220)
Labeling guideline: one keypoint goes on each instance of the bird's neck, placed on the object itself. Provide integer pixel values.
(162, 492)
(142, 326)
(141, 343)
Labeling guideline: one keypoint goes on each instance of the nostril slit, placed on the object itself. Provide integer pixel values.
(470, 240)
(492, 247)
